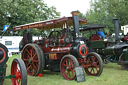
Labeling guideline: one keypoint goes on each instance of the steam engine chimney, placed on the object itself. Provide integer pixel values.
(76, 25)
(116, 26)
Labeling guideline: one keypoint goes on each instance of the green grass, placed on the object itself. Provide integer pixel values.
(112, 75)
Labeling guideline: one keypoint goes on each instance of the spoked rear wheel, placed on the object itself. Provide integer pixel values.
(67, 67)
(18, 70)
(95, 64)
(32, 58)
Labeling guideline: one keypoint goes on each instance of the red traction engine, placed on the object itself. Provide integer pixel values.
(18, 69)
(61, 51)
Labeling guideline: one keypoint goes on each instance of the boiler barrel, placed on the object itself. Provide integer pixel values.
(110, 51)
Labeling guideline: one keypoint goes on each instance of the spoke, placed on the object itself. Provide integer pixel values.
(28, 56)
(28, 52)
(96, 69)
(25, 59)
(73, 73)
(34, 55)
(34, 66)
(96, 65)
(29, 67)
(71, 62)
(37, 65)
(67, 74)
(67, 63)
(31, 50)
(94, 59)
(19, 73)
(27, 64)
(65, 69)
(35, 60)
(88, 60)
(87, 65)
(19, 82)
(93, 71)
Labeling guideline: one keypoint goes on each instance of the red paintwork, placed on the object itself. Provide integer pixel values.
(15, 71)
(90, 62)
(49, 23)
(4, 55)
(81, 52)
(68, 68)
(61, 40)
(125, 37)
(94, 37)
(55, 52)
(55, 56)
(33, 57)
(55, 49)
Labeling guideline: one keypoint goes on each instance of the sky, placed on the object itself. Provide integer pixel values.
(65, 7)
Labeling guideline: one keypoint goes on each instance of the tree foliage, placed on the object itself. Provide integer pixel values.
(103, 12)
(18, 12)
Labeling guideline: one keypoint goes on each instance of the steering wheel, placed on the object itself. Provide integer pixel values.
(54, 36)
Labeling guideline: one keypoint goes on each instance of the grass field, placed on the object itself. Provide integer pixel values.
(112, 75)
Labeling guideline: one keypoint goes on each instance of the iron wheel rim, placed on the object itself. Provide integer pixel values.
(94, 65)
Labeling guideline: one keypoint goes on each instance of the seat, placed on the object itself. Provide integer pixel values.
(95, 37)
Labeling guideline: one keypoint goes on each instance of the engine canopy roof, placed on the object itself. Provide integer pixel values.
(50, 24)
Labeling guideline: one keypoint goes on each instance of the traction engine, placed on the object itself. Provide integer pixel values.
(111, 50)
(61, 51)
(18, 70)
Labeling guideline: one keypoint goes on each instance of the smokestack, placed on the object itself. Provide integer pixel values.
(76, 24)
(116, 26)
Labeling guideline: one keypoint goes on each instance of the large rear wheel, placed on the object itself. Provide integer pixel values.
(94, 64)
(18, 70)
(32, 57)
(67, 67)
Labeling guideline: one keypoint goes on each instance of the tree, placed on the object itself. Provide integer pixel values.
(103, 11)
(3, 14)
(20, 12)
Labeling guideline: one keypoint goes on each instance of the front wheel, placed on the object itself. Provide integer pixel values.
(94, 64)
(124, 66)
(67, 67)
(18, 70)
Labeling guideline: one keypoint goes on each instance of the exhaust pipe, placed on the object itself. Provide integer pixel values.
(76, 25)
(116, 26)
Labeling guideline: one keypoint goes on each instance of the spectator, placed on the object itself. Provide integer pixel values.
(100, 33)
